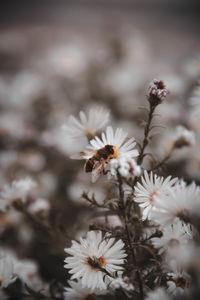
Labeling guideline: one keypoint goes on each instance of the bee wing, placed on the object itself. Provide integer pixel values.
(97, 170)
(83, 155)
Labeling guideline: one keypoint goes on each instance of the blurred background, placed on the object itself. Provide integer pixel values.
(60, 57)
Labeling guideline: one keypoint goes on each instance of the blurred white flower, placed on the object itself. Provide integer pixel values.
(185, 256)
(179, 280)
(183, 137)
(19, 189)
(88, 125)
(6, 269)
(77, 292)
(194, 112)
(151, 188)
(39, 206)
(27, 271)
(158, 294)
(173, 235)
(94, 258)
(180, 202)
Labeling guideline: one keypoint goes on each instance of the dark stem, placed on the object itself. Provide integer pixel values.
(122, 209)
(146, 134)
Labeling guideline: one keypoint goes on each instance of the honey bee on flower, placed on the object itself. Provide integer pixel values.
(112, 145)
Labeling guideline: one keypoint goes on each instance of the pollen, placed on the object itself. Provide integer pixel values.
(152, 196)
(96, 263)
(102, 261)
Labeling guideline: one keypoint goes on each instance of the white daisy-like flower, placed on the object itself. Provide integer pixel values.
(18, 189)
(88, 125)
(158, 294)
(27, 271)
(77, 292)
(6, 269)
(180, 203)
(117, 140)
(94, 258)
(173, 235)
(151, 188)
(179, 280)
(183, 137)
(113, 145)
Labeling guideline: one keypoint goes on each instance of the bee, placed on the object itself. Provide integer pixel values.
(97, 160)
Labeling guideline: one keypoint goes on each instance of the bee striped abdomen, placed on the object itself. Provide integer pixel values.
(89, 165)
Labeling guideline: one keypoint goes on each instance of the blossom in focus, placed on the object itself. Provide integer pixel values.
(88, 125)
(19, 189)
(93, 258)
(151, 187)
(114, 140)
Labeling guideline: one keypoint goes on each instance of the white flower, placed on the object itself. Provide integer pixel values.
(117, 140)
(158, 294)
(6, 269)
(126, 166)
(195, 105)
(152, 187)
(19, 189)
(180, 202)
(185, 256)
(39, 206)
(27, 271)
(118, 149)
(173, 235)
(87, 125)
(93, 258)
(183, 137)
(179, 280)
(77, 292)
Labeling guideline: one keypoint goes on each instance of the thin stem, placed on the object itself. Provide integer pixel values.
(163, 161)
(146, 134)
(122, 209)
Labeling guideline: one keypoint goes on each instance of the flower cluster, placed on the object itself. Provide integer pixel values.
(133, 234)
